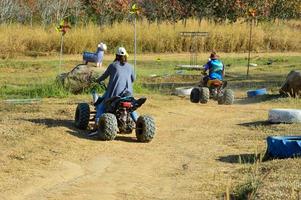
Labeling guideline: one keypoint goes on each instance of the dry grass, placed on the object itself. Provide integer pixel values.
(35, 41)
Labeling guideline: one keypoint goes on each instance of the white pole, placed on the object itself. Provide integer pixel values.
(61, 53)
(135, 43)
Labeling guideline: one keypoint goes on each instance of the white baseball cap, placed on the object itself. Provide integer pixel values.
(103, 46)
(121, 52)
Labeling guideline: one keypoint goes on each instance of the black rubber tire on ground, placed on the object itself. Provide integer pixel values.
(228, 97)
(82, 116)
(195, 95)
(107, 127)
(220, 100)
(145, 128)
(204, 95)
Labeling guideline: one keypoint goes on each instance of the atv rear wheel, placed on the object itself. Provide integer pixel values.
(195, 95)
(145, 128)
(204, 95)
(228, 97)
(82, 116)
(220, 100)
(107, 127)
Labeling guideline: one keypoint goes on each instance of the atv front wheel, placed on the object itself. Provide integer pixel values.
(82, 116)
(145, 128)
(107, 127)
(204, 95)
(195, 95)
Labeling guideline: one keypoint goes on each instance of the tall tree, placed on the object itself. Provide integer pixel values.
(8, 10)
(109, 11)
(286, 9)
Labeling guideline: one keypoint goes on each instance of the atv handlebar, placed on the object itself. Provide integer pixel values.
(102, 84)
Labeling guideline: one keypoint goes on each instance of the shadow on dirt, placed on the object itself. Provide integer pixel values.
(241, 158)
(126, 139)
(256, 124)
(83, 134)
(258, 99)
(51, 123)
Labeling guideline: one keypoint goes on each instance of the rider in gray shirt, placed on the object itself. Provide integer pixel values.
(121, 81)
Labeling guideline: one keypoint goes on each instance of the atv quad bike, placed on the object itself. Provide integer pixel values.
(116, 119)
(214, 89)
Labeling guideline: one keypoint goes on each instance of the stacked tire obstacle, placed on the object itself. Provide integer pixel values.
(285, 116)
(284, 146)
(258, 92)
(183, 91)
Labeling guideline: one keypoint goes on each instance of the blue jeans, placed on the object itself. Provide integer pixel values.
(100, 109)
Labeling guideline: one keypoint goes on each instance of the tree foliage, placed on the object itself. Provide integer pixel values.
(110, 11)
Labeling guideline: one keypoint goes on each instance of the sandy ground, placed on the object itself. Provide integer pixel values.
(42, 155)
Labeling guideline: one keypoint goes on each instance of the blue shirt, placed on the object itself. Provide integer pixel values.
(121, 79)
(215, 68)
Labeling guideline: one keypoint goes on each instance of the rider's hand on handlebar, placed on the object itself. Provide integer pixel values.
(93, 79)
(102, 84)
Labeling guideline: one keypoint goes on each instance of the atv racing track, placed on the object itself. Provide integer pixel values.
(199, 152)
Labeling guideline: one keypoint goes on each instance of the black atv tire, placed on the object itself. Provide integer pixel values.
(220, 100)
(195, 95)
(228, 97)
(82, 116)
(204, 95)
(145, 128)
(107, 127)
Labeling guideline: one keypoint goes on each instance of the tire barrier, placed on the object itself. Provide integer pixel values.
(183, 91)
(283, 146)
(258, 92)
(285, 116)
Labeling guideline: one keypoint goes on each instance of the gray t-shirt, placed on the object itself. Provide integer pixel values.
(121, 79)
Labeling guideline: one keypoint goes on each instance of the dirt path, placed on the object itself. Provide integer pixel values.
(43, 157)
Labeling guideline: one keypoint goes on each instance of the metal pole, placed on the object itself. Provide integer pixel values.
(191, 50)
(61, 52)
(250, 42)
(196, 51)
(135, 44)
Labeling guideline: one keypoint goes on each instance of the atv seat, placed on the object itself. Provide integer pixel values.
(215, 82)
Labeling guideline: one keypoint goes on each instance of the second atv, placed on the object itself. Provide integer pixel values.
(214, 89)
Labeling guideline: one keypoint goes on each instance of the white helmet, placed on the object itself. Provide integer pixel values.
(102, 46)
(121, 52)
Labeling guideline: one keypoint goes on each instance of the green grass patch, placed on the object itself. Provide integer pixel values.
(33, 91)
(34, 77)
